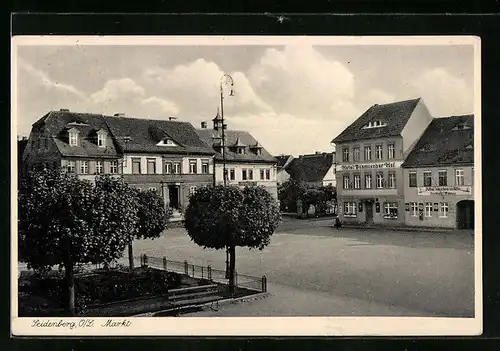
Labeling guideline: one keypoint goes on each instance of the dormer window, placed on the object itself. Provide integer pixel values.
(167, 142)
(101, 138)
(257, 148)
(240, 150)
(73, 136)
(375, 124)
(461, 126)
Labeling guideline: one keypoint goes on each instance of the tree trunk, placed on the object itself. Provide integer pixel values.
(130, 256)
(232, 265)
(227, 262)
(70, 279)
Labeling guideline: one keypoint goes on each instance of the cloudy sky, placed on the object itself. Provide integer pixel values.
(294, 99)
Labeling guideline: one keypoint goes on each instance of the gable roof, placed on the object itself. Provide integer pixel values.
(143, 135)
(443, 144)
(395, 115)
(57, 123)
(234, 137)
(310, 168)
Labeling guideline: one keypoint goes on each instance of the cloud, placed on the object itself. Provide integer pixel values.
(42, 78)
(118, 89)
(166, 106)
(444, 93)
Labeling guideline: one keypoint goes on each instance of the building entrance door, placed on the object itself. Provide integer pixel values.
(368, 212)
(173, 196)
(465, 214)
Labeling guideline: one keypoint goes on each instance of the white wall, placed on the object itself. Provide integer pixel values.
(238, 167)
(330, 177)
(127, 165)
(415, 127)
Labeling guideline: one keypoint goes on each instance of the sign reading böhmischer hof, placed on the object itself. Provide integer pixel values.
(444, 190)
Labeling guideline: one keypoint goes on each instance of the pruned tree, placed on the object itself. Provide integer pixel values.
(226, 217)
(152, 218)
(288, 194)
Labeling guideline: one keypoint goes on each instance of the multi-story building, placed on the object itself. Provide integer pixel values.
(439, 175)
(79, 143)
(316, 169)
(247, 161)
(166, 155)
(150, 154)
(372, 149)
(281, 168)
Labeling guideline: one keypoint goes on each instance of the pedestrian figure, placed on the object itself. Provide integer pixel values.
(337, 224)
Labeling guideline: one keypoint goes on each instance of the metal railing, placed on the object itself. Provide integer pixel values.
(204, 272)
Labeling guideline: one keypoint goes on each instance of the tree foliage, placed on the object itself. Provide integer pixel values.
(291, 191)
(152, 217)
(217, 217)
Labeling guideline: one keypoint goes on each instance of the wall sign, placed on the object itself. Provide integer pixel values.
(361, 166)
(444, 190)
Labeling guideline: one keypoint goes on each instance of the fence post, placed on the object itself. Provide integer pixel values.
(192, 267)
(164, 263)
(264, 283)
(235, 278)
(145, 260)
(186, 268)
(141, 258)
(201, 272)
(209, 273)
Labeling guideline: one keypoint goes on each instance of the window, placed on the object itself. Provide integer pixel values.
(204, 167)
(98, 167)
(357, 181)
(378, 152)
(442, 178)
(349, 209)
(414, 209)
(392, 180)
(71, 166)
(368, 153)
(459, 177)
(443, 210)
(261, 174)
(151, 163)
(113, 167)
(241, 151)
(390, 151)
(46, 143)
(391, 210)
(84, 167)
(428, 209)
(136, 166)
(243, 174)
(346, 182)
(472, 175)
(192, 190)
(168, 167)
(192, 167)
(356, 153)
(412, 178)
(232, 175)
(176, 168)
(427, 179)
(101, 140)
(345, 155)
(368, 181)
(73, 139)
(250, 174)
(380, 180)
(268, 174)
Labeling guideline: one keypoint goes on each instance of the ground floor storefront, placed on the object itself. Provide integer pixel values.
(446, 211)
(387, 209)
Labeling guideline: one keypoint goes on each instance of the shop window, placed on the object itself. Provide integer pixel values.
(349, 209)
(443, 210)
(414, 209)
(428, 209)
(391, 210)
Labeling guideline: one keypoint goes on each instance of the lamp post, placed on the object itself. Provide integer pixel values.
(225, 80)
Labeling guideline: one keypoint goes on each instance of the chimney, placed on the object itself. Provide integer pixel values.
(318, 152)
(119, 114)
(172, 118)
(64, 110)
(203, 125)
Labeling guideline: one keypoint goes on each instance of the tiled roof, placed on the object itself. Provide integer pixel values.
(310, 168)
(58, 122)
(232, 136)
(282, 160)
(395, 115)
(142, 135)
(443, 143)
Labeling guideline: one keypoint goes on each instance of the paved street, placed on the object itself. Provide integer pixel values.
(313, 269)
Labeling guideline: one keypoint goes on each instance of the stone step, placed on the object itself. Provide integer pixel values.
(192, 295)
(197, 301)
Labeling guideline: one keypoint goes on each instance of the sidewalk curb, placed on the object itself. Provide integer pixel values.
(404, 229)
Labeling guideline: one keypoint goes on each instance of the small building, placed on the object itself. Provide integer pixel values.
(247, 162)
(372, 150)
(78, 143)
(281, 168)
(316, 169)
(439, 175)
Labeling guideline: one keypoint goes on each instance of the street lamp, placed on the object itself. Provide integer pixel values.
(225, 80)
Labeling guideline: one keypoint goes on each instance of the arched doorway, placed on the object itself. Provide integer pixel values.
(465, 214)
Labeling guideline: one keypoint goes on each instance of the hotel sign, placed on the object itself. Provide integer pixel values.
(362, 166)
(444, 190)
